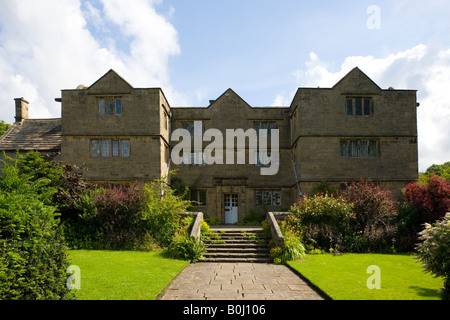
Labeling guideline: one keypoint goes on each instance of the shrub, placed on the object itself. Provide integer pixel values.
(72, 185)
(185, 247)
(33, 257)
(324, 188)
(408, 227)
(119, 216)
(432, 200)
(161, 206)
(323, 220)
(376, 215)
(434, 251)
(293, 248)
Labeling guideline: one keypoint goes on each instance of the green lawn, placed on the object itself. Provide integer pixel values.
(123, 275)
(345, 277)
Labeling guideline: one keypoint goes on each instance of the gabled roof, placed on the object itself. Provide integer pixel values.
(356, 80)
(111, 82)
(227, 94)
(33, 134)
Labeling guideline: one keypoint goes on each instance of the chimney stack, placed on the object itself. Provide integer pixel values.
(21, 109)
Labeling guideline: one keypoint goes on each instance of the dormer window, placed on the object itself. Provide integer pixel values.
(110, 106)
(358, 106)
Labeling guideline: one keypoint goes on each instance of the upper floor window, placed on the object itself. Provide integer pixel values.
(265, 159)
(110, 106)
(359, 106)
(195, 128)
(266, 126)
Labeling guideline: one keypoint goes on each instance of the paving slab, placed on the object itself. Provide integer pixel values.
(238, 281)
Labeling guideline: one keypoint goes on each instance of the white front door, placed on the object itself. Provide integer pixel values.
(231, 208)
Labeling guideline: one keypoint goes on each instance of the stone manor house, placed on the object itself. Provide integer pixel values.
(123, 134)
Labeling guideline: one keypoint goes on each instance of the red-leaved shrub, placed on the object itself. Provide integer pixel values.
(432, 201)
(376, 214)
(119, 216)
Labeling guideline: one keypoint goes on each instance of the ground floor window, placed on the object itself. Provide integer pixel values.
(198, 197)
(267, 197)
(359, 148)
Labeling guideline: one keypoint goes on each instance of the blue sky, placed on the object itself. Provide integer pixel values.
(196, 49)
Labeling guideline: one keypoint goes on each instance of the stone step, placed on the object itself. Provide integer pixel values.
(236, 245)
(228, 249)
(237, 260)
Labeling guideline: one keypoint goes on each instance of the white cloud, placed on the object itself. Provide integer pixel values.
(425, 68)
(49, 45)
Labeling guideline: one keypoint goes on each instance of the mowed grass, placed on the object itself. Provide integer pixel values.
(123, 275)
(345, 277)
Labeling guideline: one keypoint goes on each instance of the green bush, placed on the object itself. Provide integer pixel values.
(33, 256)
(293, 248)
(186, 248)
(323, 220)
(160, 211)
(434, 251)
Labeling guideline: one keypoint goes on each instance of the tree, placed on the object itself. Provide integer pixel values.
(442, 170)
(3, 127)
(33, 256)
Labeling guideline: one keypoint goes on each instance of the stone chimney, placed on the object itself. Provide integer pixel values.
(21, 109)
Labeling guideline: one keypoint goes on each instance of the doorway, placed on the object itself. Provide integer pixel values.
(231, 208)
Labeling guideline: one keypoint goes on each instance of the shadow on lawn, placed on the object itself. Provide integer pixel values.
(426, 292)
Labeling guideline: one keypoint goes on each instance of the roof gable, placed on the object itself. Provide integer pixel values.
(227, 97)
(110, 83)
(357, 82)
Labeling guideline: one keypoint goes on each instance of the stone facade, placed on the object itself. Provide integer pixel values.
(350, 131)
(132, 142)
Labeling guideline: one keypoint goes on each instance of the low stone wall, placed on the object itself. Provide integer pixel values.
(195, 232)
(277, 236)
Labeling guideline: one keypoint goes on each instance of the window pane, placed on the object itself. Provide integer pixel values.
(105, 148)
(344, 148)
(349, 107)
(101, 106)
(115, 148)
(118, 106)
(367, 103)
(198, 128)
(363, 149)
(358, 106)
(373, 148)
(257, 126)
(264, 127)
(272, 126)
(353, 148)
(276, 198)
(202, 197)
(125, 148)
(109, 107)
(257, 160)
(258, 197)
(267, 198)
(95, 148)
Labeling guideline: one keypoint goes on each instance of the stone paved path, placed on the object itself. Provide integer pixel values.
(238, 281)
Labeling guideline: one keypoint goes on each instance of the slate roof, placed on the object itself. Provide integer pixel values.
(33, 134)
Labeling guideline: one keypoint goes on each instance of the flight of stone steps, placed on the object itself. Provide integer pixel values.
(236, 245)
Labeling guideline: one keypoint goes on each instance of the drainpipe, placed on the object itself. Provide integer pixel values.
(300, 193)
